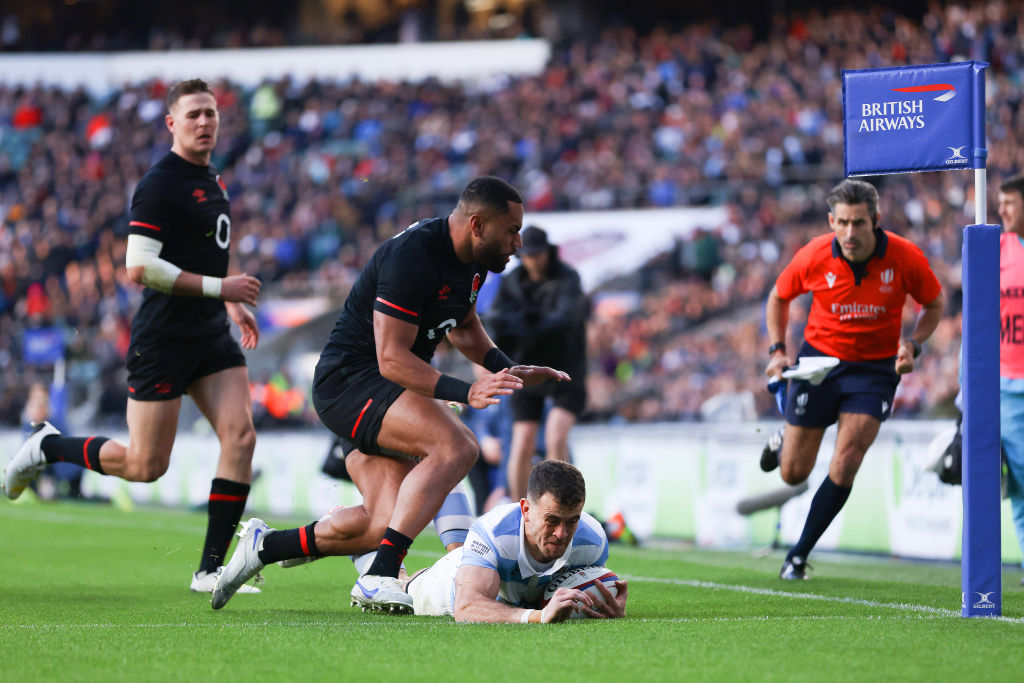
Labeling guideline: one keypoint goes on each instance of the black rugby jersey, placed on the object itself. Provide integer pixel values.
(186, 207)
(415, 276)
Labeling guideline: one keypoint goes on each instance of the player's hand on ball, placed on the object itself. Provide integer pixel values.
(563, 603)
(535, 374)
(240, 288)
(485, 390)
(611, 607)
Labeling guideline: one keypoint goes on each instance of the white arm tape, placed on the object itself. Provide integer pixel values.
(211, 286)
(156, 272)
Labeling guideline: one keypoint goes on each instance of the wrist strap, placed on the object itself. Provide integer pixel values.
(917, 346)
(495, 360)
(449, 388)
(777, 346)
(524, 618)
(211, 286)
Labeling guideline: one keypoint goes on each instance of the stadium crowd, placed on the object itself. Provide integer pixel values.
(116, 25)
(319, 173)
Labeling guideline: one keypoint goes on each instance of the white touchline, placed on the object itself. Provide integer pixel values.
(902, 606)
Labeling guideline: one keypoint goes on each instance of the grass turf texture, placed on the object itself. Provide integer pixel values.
(91, 593)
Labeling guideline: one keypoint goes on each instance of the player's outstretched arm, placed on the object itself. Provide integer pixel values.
(476, 593)
(394, 339)
(535, 374)
(470, 338)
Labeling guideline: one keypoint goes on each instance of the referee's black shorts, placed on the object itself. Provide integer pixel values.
(351, 398)
(863, 387)
(161, 369)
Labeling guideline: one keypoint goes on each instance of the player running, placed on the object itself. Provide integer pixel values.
(178, 247)
(513, 552)
(374, 385)
(860, 276)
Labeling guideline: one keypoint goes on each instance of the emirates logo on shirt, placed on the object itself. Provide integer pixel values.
(856, 311)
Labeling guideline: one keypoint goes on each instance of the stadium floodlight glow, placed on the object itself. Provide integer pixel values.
(923, 118)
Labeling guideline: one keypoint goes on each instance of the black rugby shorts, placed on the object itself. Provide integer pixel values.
(162, 369)
(351, 398)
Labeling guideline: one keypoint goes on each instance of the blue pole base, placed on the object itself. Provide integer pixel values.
(981, 558)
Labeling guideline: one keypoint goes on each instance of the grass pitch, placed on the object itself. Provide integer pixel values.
(91, 593)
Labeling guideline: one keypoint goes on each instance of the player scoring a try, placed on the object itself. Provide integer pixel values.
(374, 384)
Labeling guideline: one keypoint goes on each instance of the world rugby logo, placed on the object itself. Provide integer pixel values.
(887, 276)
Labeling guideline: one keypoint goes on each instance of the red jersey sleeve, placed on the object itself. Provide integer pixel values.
(921, 282)
(792, 281)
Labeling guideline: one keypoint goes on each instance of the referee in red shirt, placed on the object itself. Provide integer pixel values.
(859, 277)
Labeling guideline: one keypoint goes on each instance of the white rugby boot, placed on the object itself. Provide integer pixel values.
(205, 583)
(28, 462)
(243, 565)
(382, 594)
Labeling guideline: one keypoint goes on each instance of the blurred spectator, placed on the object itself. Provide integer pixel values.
(539, 317)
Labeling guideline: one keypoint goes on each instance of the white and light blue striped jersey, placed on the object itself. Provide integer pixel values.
(495, 542)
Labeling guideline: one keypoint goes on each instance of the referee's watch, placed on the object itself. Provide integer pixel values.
(917, 346)
(777, 346)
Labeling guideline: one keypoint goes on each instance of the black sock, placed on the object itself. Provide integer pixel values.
(825, 505)
(480, 480)
(289, 544)
(84, 452)
(390, 554)
(227, 502)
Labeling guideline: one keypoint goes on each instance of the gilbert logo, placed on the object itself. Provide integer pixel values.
(830, 278)
(957, 156)
(983, 601)
(947, 91)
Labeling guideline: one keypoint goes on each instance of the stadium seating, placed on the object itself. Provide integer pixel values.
(319, 173)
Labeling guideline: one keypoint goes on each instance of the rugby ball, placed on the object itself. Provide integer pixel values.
(582, 579)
